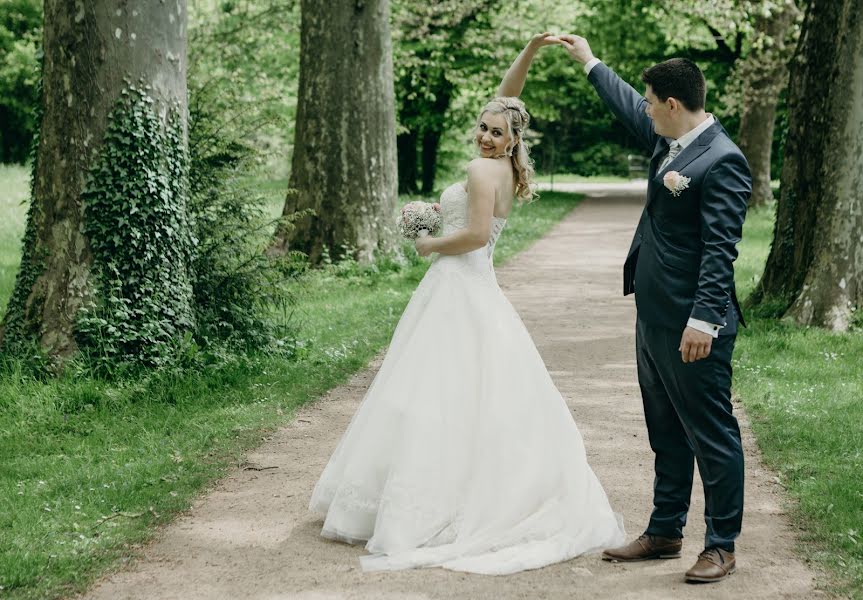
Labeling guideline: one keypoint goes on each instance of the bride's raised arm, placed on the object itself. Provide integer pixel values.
(513, 81)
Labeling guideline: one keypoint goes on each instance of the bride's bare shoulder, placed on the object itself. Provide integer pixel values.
(486, 169)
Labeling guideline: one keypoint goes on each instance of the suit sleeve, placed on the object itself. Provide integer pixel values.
(627, 104)
(726, 189)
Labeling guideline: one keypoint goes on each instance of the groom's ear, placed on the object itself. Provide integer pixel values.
(674, 103)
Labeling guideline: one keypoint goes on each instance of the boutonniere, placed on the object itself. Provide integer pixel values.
(675, 182)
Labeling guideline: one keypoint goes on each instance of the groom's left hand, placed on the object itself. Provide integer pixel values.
(695, 345)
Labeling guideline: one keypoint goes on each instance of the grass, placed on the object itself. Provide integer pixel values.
(90, 467)
(801, 388)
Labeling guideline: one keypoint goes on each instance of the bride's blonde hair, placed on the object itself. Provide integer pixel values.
(517, 119)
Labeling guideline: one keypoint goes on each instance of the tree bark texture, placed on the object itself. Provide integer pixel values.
(344, 162)
(92, 51)
(815, 268)
(765, 74)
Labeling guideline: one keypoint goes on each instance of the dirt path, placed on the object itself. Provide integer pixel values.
(251, 537)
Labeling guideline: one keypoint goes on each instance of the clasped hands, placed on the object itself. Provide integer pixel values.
(575, 45)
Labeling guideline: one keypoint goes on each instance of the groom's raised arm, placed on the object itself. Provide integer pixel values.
(627, 104)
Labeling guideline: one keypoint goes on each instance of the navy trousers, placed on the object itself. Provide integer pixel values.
(689, 417)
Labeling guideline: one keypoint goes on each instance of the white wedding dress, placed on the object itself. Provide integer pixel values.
(463, 454)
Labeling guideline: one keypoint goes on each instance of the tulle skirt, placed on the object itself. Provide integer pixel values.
(463, 454)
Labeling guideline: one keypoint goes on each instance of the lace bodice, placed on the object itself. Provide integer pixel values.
(454, 209)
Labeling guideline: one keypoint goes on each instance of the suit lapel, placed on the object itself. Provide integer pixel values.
(698, 147)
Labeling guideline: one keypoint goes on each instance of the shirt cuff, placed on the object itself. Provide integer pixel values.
(590, 64)
(704, 326)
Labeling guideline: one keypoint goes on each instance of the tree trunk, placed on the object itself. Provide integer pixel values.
(93, 51)
(765, 75)
(431, 143)
(814, 272)
(344, 162)
(407, 162)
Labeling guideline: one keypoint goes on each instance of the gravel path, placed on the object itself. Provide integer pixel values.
(251, 536)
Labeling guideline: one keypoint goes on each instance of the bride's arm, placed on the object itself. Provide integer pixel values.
(513, 81)
(482, 185)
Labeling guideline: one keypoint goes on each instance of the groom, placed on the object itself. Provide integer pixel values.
(680, 268)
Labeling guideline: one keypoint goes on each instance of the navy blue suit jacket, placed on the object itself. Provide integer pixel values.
(680, 263)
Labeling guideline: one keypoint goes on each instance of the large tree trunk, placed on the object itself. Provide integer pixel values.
(815, 267)
(765, 75)
(83, 212)
(344, 162)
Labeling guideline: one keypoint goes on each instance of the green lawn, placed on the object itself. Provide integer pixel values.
(802, 388)
(89, 467)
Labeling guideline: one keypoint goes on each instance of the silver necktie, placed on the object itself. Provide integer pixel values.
(673, 150)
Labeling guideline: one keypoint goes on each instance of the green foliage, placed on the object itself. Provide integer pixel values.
(435, 56)
(605, 157)
(241, 296)
(136, 223)
(13, 207)
(244, 56)
(20, 37)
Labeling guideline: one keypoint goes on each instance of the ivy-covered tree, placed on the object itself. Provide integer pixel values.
(814, 273)
(344, 160)
(107, 244)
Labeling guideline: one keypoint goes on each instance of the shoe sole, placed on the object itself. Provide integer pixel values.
(693, 579)
(654, 557)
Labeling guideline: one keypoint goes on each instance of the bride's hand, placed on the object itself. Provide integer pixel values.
(424, 245)
(543, 39)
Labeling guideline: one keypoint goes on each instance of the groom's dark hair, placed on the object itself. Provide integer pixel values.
(678, 78)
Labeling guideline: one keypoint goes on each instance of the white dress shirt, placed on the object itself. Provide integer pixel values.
(683, 141)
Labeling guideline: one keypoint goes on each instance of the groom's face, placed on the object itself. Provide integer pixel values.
(659, 112)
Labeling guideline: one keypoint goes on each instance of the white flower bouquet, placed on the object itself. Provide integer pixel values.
(419, 218)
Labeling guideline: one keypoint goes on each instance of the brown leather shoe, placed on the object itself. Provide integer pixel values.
(647, 547)
(714, 564)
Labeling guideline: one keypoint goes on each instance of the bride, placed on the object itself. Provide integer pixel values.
(463, 454)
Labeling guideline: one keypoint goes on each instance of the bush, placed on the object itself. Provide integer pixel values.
(604, 157)
(242, 297)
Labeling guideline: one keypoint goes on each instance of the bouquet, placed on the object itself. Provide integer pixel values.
(419, 218)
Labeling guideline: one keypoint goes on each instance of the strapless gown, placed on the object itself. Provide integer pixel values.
(463, 454)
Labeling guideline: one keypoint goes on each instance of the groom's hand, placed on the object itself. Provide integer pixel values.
(695, 345)
(577, 47)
